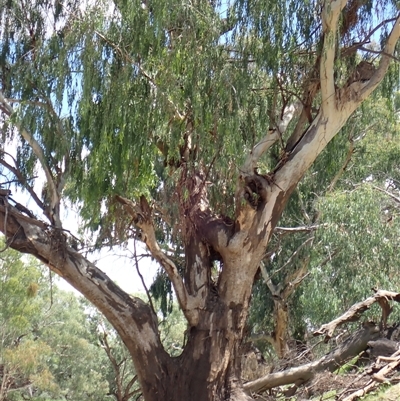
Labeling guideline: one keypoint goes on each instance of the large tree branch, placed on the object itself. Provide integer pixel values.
(270, 138)
(300, 374)
(350, 348)
(330, 16)
(141, 215)
(258, 207)
(355, 311)
(388, 52)
(331, 118)
(260, 200)
(130, 316)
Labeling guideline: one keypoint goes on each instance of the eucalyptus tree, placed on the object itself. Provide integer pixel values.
(22, 360)
(323, 256)
(154, 119)
(46, 347)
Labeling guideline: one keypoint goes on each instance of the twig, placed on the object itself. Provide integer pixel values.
(395, 198)
(141, 277)
(343, 167)
(301, 228)
(306, 242)
(381, 52)
(22, 180)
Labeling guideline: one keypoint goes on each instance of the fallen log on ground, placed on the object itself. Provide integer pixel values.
(349, 349)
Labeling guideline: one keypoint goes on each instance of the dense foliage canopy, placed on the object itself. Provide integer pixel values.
(194, 127)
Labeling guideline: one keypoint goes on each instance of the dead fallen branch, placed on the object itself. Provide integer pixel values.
(349, 349)
(377, 378)
(354, 313)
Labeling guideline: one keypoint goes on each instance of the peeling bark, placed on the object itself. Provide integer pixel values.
(216, 312)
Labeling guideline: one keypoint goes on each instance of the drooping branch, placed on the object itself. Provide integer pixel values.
(54, 196)
(141, 215)
(125, 56)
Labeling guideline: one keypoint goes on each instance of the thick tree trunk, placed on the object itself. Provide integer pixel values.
(207, 370)
(209, 367)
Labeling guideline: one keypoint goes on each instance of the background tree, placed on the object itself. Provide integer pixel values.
(153, 120)
(22, 360)
(48, 348)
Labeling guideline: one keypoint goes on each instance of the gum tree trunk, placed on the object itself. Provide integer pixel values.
(209, 367)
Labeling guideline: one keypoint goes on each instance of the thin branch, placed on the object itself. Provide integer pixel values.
(381, 24)
(342, 169)
(381, 52)
(22, 180)
(395, 198)
(38, 151)
(127, 393)
(384, 62)
(142, 279)
(141, 216)
(300, 228)
(293, 255)
(359, 45)
(295, 279)
(267, 279)
(115, 364)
